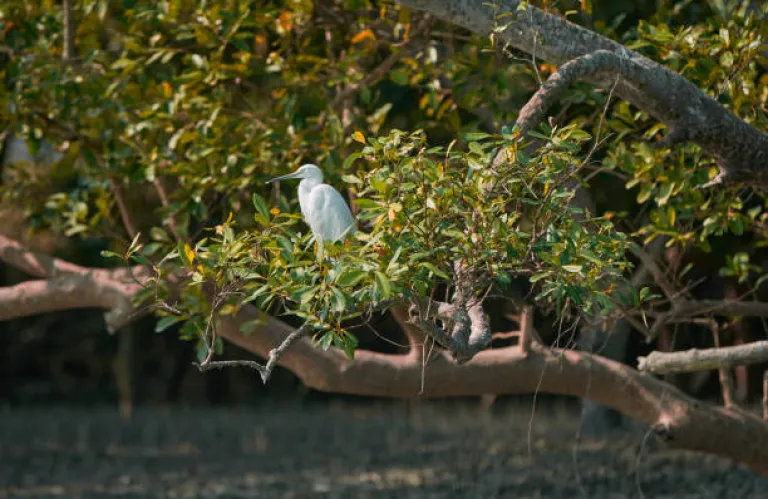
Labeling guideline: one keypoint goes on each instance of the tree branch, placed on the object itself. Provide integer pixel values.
(171, 221)
(704, 359)
(527, 332)
(67, 286)
(125, 214)
(659, 276)
(88, 290)
(672, 415)
(684, 422)
(740, 149)
(68, 31)
(470, 330)
(272, 358)
(37, 265)
(416, 337)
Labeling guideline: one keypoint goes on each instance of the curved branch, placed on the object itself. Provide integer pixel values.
(38, 265)
(672, 415)
(90, 289)
(601, 63)
(682, 421)
(740, 149)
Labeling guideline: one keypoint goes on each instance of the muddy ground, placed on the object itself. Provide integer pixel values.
(346, 451)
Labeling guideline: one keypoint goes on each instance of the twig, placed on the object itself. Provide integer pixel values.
(171, 221)
(659, 276)
(526, 329)
(125, 214)
(765, 395)
(726, 381)
(274, 356)
(68, 34)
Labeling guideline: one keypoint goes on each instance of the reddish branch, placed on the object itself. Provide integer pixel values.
(170, 220)
(37, 265)
(527, 332)
(682, 421)
(66, 286)
(740, 149)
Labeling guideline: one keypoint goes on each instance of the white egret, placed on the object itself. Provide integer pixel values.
(323, 208)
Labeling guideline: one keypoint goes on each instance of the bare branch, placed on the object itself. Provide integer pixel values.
(765, 395)
(689, 308)
(551, 91)
(37, 265)
(683, 421)
(171, 220)
(726, 379)
(650, 265)
(704, 359)
(68, 292)
(68, 33)
(527, 332)
(416, 336)
(272, 358)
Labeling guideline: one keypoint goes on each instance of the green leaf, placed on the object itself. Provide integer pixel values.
(326, 340)
(432, 268)
(383, 285)
(260, 205)
(665, 192)
(350, 343)
(349, 160)
(166, 322)
(308, 295)
(340, 303)
(572, 268)
(185, 253)
(541, 275)
(351, 179)
(399, 77)
(473, 136)
(645, 192)
(350, 278)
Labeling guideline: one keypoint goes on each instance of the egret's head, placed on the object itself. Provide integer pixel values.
(308, 171)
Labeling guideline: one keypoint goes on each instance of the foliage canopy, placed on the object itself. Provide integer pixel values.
(184, 109)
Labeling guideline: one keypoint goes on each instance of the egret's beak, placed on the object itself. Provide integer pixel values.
(285, 177)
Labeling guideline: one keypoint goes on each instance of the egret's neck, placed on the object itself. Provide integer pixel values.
(308, 184)
(305, 187)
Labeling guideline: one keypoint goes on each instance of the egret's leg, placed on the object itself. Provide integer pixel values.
(319, 249)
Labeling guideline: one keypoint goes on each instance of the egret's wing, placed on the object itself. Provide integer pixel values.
(328, 215)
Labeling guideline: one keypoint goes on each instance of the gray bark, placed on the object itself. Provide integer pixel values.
(690, 115)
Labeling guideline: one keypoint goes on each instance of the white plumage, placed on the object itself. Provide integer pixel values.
(322, 207)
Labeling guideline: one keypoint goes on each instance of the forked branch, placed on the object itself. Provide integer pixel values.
(265, 370)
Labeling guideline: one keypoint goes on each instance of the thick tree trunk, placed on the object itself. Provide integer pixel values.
(690, 115)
